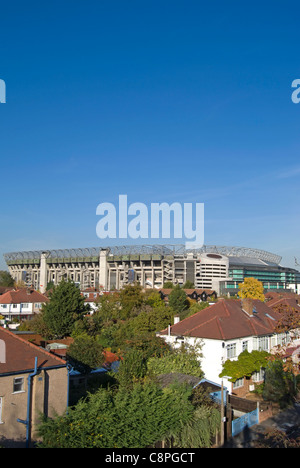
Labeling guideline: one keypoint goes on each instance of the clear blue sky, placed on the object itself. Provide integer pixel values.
(186, 101)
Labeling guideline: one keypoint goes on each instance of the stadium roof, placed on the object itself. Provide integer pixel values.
(175, 249)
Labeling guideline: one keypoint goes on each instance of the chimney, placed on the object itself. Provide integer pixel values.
(176, 319)
(247, 306)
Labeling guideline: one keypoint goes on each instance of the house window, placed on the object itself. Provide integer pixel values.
(25, 306)
(238, 383)
(258, 376)
(231, 350)
(18, 385)
(263, 343)
(245, 346)
(15, 306)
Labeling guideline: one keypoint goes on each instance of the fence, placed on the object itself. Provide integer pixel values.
(247, 420)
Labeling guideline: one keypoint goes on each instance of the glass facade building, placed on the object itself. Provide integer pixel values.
(273, 276)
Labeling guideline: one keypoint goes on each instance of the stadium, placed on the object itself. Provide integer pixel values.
(220, 268)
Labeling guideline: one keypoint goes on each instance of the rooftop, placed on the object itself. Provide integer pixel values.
(21, 296)
(226, 320)
(19, 355)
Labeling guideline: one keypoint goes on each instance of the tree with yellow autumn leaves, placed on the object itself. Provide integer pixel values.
(251, 288)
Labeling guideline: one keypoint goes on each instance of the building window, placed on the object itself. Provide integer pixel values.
(245, 346)
(258, 376)
(231, 350)
(15, 306)
(238, 383)
(18, 385)
(25, 306)
(261, 343)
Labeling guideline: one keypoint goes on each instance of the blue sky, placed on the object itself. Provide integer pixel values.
(161, 100)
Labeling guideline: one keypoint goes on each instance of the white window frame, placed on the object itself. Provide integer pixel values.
(259, 376)
(15, 384)
(238, 383)
(245, 345)
(231, 350)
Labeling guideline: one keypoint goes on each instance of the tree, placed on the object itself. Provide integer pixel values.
(251, 288)
(246, 364)
(132, 368)
(278, 385)
(154, 300)
(183, 360)
(6, 280)
(193, 309)
(151, 320)
(288, 324)
(126, 418)
(199, 431)
(85, 354)
(178, 300)
(188, 285)
(168, 285)
(65, 307)
(131, 299)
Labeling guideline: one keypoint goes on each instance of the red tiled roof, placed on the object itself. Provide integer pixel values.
(4, 289)
(22, 296)
(226, 320)
(20, 355)
(279, 302)
(188, 291)
(110, 357)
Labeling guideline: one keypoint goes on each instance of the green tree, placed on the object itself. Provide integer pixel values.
(131, 299)
(183, 360)
(246, 364)
(154, 300)
(188, 285)
(200, 430)
(151, 320)
(6, 280)
(168, 285)
(193, 309)
(85, 354)
(65, 307)
(178, 300)
(278, 385)
(132, 368)
(134, 418)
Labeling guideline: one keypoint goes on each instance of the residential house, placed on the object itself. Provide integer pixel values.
(4, 289)
(32, 382)
(90, 297)
(21, 304)
(224, 330)
(196, 294)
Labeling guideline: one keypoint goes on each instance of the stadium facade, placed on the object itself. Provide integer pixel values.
(220, 268)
